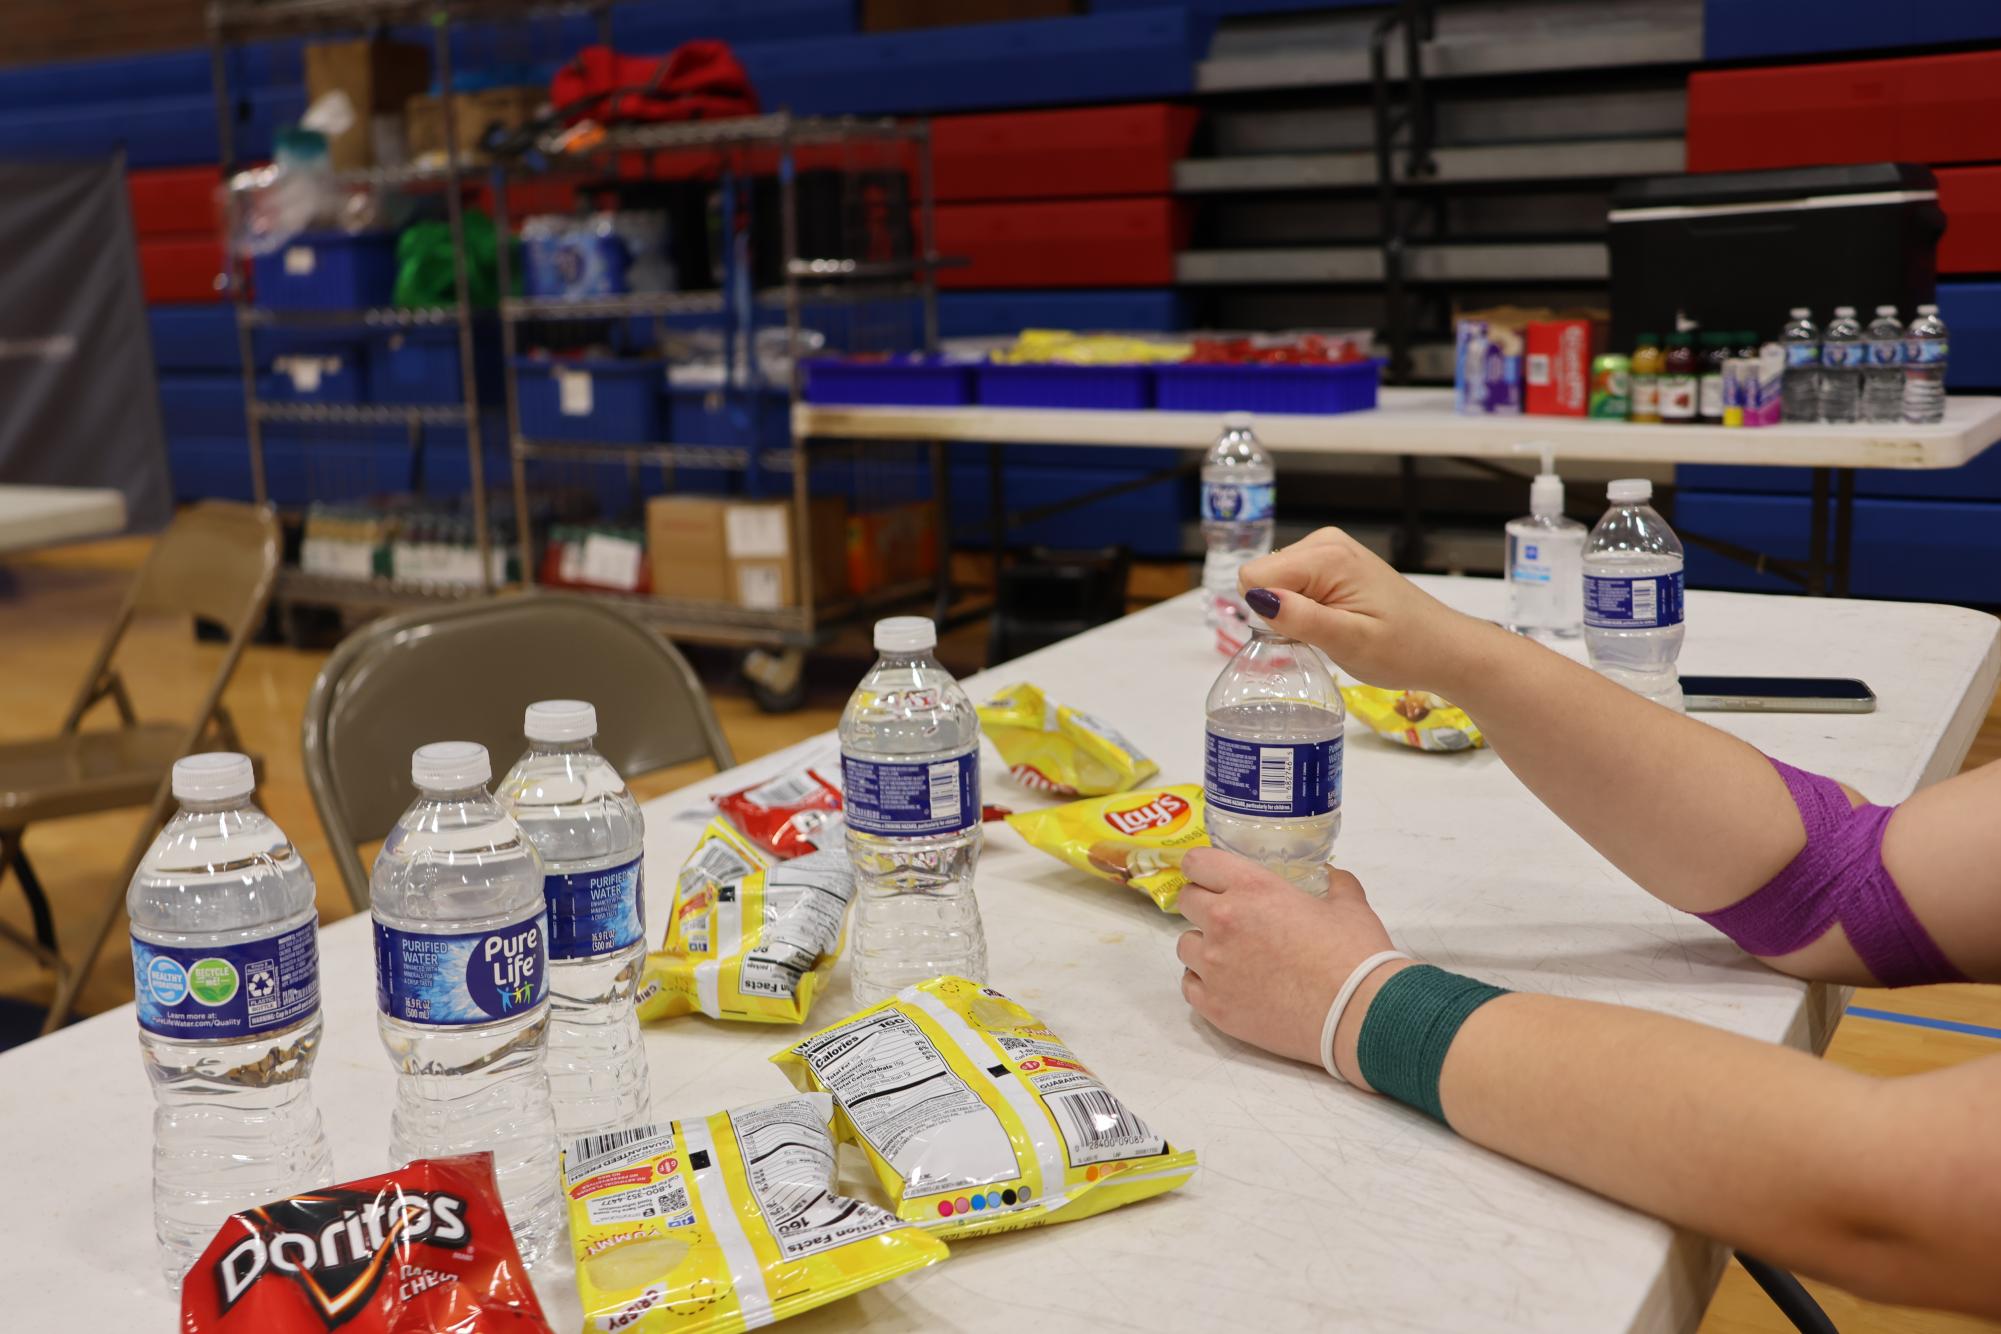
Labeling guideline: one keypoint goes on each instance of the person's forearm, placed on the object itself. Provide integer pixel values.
(1889, 1188)
(1697, 817)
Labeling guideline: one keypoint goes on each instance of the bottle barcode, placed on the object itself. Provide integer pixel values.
(587, 1152)
(1645, 605)
(944, 789)
(1274, 774)
(1097, 1120)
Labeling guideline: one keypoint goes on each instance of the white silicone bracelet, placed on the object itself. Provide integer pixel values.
(1340, 1005)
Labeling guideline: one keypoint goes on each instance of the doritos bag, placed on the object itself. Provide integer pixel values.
(1053, 748)
(423, 1248)
(976, 1117)
(1130, 838)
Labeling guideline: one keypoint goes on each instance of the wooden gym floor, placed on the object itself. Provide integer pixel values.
(61, 602)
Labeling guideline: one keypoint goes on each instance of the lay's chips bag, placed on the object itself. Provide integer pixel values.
(1131, 838)
(723, 1224)
(1050, 747)
(976, 1117)
(749, 938)
(1414, 718)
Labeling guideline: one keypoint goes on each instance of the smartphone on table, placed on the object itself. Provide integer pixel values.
(1777, 694)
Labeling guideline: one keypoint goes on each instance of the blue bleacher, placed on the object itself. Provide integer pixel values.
(1760, 29)
(1938, 551)
(1127, 310)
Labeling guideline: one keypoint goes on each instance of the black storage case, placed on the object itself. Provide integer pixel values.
(1736, 250)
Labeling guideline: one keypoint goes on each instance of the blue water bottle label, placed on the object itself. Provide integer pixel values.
(1281, 779)
(227, 991)
(1843, 355)
(1238, 502)
(1618, 602)
(1886, 352)
(1924, 351)
(912, 800)
(595, 912)
(473, 978)
(1802, 354)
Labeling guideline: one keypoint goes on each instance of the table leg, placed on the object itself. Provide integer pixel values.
(1410, 544)
(1844, 528)
(996, 513)
(1816, 542)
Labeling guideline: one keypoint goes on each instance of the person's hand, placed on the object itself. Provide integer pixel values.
(1330, 591)
(1264, 960)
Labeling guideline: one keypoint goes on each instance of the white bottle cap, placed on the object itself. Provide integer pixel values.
(905, 634)
(1801, 312)
(1927, 310)
(1844, 312)
(1546, 495)
(215, 776)
(1236, 421)
(1629, 491)
(450, 766)
(1886, 310)
(560, 720)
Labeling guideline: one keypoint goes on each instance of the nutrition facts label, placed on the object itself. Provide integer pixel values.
(904, 1099)
(789, 1157)
(912, 800)
(804, 901)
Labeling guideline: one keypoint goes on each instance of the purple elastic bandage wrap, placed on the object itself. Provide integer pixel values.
(1838, 876)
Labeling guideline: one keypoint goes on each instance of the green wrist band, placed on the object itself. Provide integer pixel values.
(1410, 1027)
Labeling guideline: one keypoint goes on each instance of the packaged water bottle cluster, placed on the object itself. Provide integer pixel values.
(1884, 372)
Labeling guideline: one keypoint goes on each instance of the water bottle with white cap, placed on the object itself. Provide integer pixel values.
(1238, 504)
(1271, 772)
(462, 986)
(576, 810)
(910, 775)
(1633, 594)
(226, 976)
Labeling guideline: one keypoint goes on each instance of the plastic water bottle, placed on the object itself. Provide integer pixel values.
(910, 774)
(575, 809)
(1801, 391)
(1238, 497)
(1842, 354)
(1546, 562)
(1883, 376)
(1924, 367)
(226, 975)
(1633, 594)
(1271, 768)
(462, 983)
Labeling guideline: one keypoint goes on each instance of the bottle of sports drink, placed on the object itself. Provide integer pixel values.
(1924, 367)
(1883, 375)
(1271, 768)
(226, 975)
(1238, 498)
(1545, 567)
(1645, 402)
(462, 984)
(1842, 353)
(910, 773)
(1800, 394)
(584, 824)
(1633, 594)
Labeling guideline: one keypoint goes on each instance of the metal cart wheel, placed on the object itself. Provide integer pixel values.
(777, 679)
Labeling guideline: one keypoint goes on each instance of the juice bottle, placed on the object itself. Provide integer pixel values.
(1709, 378)
(1678, 375)
(1645, 378)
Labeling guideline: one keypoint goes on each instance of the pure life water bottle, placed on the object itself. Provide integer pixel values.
(1272, 761)
(462, 983)
(910, 774)
(226, 974)
(1633, 594)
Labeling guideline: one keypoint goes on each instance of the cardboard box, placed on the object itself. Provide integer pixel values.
(892, 546)
(760, 545)
(424, 119)
(378, 78)
(1558, 376)
(684, 541)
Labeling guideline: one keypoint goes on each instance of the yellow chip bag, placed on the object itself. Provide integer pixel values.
(1131, 838)
(723, 1224)
(977, 1118)
(1053, 748)
(749, 938)
(1414, 718)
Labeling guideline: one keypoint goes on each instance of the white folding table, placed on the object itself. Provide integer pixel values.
(1316, 1206)
(40, 516)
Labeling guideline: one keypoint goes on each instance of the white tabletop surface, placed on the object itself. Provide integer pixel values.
(1316, 1206)
(1421, 421)
(38, 516)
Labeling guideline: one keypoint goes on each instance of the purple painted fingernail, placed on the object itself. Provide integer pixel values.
(1262, 601)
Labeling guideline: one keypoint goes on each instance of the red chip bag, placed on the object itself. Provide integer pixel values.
(786, 816)
(423, 1249)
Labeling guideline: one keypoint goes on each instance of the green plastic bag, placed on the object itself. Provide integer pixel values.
(424, 273)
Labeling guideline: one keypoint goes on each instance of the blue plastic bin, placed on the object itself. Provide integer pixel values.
(601, 400)
(930, 382)
(330, 373)
(1207, 387)
(328, 271)
(1053, 385)
(421, 365)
